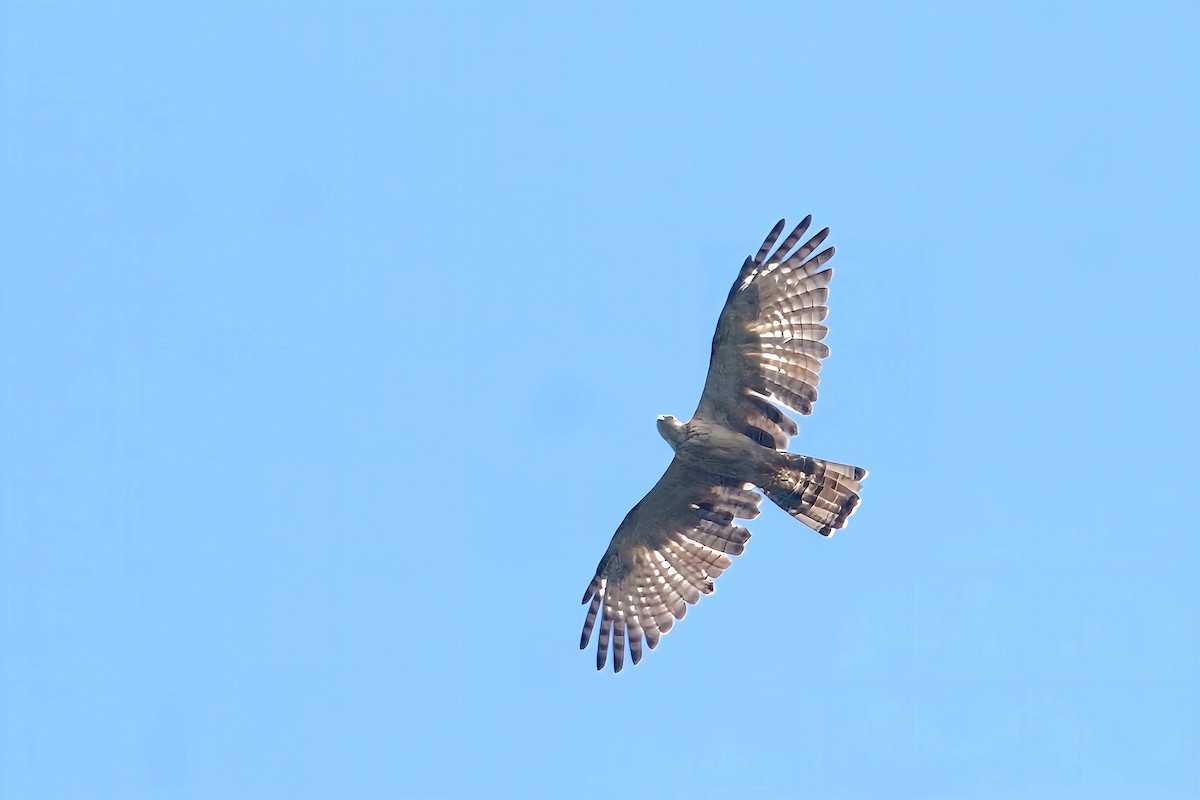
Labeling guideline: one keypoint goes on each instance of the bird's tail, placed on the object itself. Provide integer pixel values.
(821, 494)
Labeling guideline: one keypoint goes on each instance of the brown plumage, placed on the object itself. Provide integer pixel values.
(766, 353)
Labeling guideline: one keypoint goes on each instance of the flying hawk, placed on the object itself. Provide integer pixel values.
(766, 353)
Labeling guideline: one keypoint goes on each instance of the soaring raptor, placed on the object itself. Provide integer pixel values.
(766, 353)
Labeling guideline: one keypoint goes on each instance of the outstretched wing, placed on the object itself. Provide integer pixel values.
(768, 346)
(665, 555)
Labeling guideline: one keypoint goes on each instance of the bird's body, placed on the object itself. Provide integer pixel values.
(766, 352)
(713, 448)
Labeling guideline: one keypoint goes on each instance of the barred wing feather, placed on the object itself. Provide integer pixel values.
(664, 557)
(768, 345)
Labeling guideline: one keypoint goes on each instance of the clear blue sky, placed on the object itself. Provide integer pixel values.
(332, 338)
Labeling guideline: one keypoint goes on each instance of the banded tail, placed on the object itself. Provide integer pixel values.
(821, 494)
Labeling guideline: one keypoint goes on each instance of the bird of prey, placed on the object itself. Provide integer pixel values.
(766, 353)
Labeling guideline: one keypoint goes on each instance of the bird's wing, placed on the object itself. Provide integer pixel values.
(665, 555)
(767, 348)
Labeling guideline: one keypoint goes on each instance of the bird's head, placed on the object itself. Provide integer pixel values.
(672, 430)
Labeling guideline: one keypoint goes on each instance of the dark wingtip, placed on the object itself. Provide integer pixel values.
(593, 585)
(769, 242)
